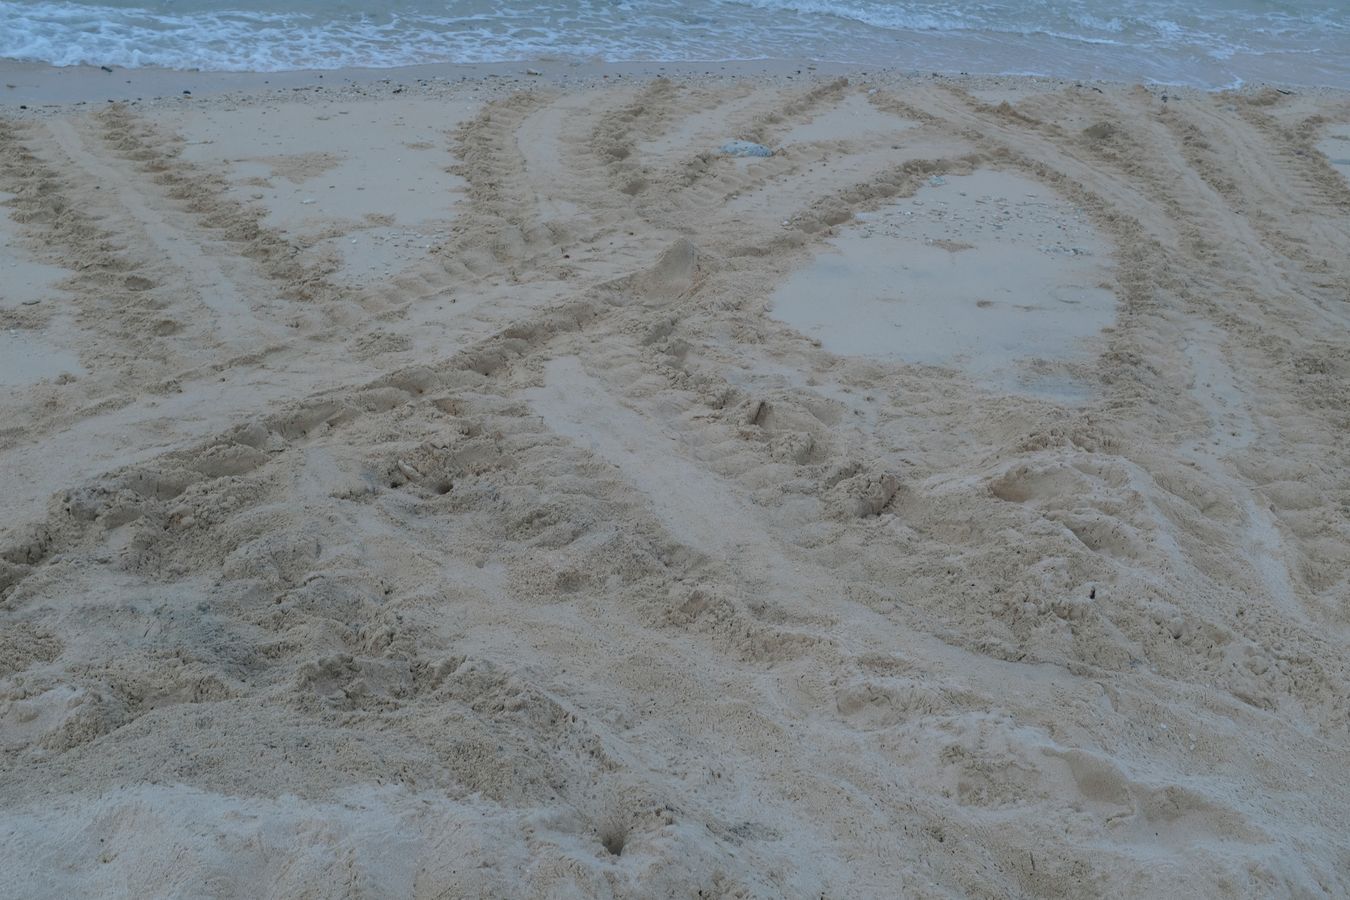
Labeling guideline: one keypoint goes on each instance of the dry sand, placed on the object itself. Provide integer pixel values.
(489, 490)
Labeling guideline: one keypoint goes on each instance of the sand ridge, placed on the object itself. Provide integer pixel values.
(541, 558)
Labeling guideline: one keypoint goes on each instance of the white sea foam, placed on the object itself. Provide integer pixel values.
(1210, 43)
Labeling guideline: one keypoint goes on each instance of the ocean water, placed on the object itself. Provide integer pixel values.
(1206, 43)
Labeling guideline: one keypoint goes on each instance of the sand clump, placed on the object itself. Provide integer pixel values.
(571, 509)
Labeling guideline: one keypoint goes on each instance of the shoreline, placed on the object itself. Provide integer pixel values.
(48, 84)
(37, 85)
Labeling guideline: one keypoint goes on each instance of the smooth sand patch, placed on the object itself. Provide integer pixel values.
(852, 119)
(989, 274)
(352, 167)
(1336, 147)
(26, 358)
(23, 280)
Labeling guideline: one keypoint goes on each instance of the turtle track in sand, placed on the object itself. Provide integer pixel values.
(604, 580)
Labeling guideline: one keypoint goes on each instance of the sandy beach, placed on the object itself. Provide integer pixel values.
(463, 482)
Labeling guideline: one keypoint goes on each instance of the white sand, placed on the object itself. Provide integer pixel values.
(985, 273)
(489, 490)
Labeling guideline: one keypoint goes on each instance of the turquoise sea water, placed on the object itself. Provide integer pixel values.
(1209, 43)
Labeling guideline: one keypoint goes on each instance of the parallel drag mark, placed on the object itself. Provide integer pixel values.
(614, 140)
(108, 285)
(489, 358)
(704, 182)
(1255, 188)
(501, 226)
(1320, 186)
(205, 196)
(762, 128)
